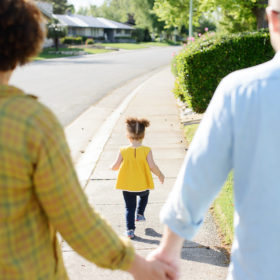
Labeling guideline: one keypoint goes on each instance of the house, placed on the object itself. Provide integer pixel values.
(47, 11)
(100, 29)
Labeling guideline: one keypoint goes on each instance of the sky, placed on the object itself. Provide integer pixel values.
(85, 3)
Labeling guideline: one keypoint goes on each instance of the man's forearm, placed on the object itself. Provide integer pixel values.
(169, 251)
(171, 243)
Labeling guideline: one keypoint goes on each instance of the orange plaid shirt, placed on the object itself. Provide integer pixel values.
(40, 195)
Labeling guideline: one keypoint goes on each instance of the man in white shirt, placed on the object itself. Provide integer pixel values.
(240, 131)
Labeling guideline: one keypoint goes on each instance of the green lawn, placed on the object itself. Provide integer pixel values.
(95, 51)
(48, 52)
(135, 46)
(223, 210)
(189, 131)
(223, 206)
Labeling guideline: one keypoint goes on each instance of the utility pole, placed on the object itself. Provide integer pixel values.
(190, 19)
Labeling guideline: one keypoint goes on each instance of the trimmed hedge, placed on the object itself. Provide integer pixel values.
(89, 41)
(72, 40)
(201, 65)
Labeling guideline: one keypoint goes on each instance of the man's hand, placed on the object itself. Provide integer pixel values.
(160, 255)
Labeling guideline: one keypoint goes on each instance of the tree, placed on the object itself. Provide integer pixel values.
(145, 17)
(173, 12)
(116, 10)
(239, 15)
(56, 31)
(61, 6)
(204, 23)
(92, 10)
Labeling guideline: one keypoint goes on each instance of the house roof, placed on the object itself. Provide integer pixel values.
(45, 8)
(114, 24)
(87, 21)
(91, 21)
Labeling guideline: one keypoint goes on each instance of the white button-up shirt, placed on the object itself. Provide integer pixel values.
(240, 131)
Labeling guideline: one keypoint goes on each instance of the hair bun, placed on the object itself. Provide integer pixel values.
(144, 122)
(132, 121)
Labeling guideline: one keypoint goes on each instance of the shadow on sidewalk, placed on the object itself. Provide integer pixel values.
(152, 232)
(196, 252)
(145, 240)
(149, 232)
(191, 251)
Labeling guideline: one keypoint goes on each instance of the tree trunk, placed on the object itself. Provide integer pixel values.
(56, 43)
(259, 12)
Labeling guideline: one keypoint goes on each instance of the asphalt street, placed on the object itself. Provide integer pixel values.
(71, 85)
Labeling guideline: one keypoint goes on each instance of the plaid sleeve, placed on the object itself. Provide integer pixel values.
(66, 205)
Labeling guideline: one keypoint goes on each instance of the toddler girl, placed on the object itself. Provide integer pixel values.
(135, 179)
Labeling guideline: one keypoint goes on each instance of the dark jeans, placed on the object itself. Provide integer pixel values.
(130, 199)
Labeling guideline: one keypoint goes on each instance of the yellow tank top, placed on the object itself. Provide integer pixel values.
(135, 174)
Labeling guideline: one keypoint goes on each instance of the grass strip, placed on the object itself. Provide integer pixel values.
(49, 53)
(223, 206)
(135, 46)
(223, 211)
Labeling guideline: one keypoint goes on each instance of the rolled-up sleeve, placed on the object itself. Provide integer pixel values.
(66, 205)
(205, 168)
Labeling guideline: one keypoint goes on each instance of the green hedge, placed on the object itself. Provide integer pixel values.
(89, 41)
(201, 65)
(72, 40)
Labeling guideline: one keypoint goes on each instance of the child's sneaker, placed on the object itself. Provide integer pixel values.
(130, 233)
(140, 218)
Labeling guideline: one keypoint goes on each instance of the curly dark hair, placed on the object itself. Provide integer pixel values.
(136, 128)
(21, 32)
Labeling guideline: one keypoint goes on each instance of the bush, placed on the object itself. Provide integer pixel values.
(174, 65)
(72, 40)
(123, 37)
(141, 35)
(202, 64)
(89, 41)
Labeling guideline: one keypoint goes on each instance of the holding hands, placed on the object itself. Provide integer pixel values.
(152, 269)
(162, 263)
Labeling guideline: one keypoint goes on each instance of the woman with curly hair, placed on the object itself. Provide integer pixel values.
(39, 191)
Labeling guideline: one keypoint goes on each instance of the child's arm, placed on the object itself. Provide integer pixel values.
(154, 168)
(117, 163)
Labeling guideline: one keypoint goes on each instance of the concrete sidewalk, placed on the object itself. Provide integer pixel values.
(203, 258)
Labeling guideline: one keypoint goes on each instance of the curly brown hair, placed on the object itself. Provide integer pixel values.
(136, 128)
(21, 32)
